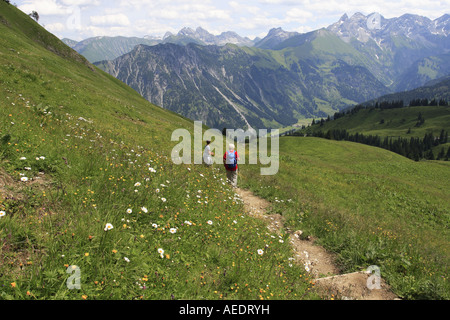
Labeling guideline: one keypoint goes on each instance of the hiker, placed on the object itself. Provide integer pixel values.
(207, 154)
(230, 159)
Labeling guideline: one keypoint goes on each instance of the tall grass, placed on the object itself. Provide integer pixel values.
(368, 205)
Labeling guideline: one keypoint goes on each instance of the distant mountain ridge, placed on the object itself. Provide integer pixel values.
(286, 76)
(108, 48)
(241, 86)
(393, 45)
(203, 37)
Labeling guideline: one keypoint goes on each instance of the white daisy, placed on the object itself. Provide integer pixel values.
(173, 230)
(24, 179)
(108, 227)
(129, 210)
(209, 222)
(260, 252)
(2, 213)
(144, 209)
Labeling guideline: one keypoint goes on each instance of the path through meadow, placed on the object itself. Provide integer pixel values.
(329, 283)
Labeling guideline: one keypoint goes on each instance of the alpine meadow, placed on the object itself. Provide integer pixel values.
(94, 207)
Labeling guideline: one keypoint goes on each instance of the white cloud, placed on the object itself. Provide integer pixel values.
(189, 11)
(247, 18)
(43, 7)
(299, 15)
(55, 27)
(110, 20)
(81, 2)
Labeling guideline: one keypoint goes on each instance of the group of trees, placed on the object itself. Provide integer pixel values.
(34, 15)
(426, 102)
(413, 148)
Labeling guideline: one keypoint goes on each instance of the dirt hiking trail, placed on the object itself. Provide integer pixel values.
(329, 283)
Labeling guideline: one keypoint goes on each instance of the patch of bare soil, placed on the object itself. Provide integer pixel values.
(318, 261)
(11, 189)
(15, 255)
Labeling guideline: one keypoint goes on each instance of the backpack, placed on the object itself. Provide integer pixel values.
(231, 161)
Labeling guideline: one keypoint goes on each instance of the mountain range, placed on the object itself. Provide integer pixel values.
(228, 80)
(108, 48)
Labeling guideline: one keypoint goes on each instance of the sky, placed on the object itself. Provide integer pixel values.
(82, 19)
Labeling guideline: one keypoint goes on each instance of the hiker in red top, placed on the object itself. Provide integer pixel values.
(230, 159)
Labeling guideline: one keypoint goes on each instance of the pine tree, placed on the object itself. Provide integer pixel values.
(420, 120)
(442, 137)
(441, 154)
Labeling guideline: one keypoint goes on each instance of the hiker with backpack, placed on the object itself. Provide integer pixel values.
(230, 159)
(207, 154)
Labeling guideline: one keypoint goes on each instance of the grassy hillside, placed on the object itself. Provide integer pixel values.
(398, 122)
(368, 205)
(428, 126)
(87, 180)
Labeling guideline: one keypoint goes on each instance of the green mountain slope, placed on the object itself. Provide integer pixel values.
(87, 180)
(398, 122)
(108, 48)
(418, 131)
(438, 89)
(423, 71)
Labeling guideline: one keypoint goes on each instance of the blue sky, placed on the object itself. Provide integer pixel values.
(81, 19)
